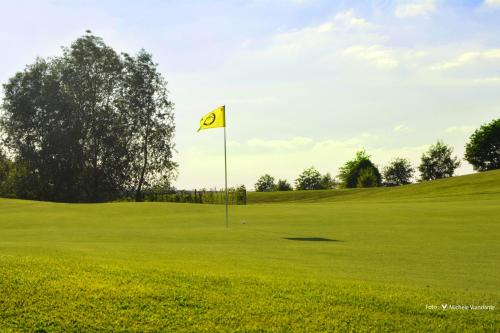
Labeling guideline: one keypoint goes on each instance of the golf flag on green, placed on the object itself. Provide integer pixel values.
(214, 119)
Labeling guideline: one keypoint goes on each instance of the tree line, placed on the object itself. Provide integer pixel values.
(482, 151)
(90, 125)
(236, 196)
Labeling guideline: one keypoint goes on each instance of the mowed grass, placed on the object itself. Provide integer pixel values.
(351, 260)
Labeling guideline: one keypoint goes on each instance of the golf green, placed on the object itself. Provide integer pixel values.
(421, 257)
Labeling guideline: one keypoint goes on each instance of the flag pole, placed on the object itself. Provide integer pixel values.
(225, 168)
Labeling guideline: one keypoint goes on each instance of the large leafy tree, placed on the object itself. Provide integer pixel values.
(92, 75)
(483, 148)
(35, 122)
(361, 165)
(265, 184)
(80, 125)
(309, 179)
(146, 103)
(438, 162)
(398, 172)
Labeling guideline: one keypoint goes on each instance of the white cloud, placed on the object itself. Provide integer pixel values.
(492, 3)
(422, 8)
(265, 3)
(492, 54)
(309, 144)
(353, 143)
(468, 58)
(232, 143)
(461, 61)
(295, 143)
(300, 143)
(377, 55)
(312, 50)
(341, 22)
(402, 129)
(348, 19)
(460, 129)
(486, 81)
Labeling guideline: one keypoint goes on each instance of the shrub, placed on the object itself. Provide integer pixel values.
(327, 182)
(241, 195)
(367, 178)
(283, 185)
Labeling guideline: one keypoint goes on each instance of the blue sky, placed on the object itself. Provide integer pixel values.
(305, 82)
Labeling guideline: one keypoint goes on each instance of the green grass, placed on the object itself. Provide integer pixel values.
(175, 267)
(465, 187)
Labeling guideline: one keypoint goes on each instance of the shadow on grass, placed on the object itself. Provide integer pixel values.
(312, 239)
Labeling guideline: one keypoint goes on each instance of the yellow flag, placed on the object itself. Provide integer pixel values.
(216, 118)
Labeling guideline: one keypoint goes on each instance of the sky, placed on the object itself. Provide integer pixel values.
(305, 82)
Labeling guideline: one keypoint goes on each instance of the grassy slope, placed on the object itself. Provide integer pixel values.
(157, 266)
(469, 186)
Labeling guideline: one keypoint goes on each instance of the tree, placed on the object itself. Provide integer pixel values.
(90, 125)
(5, 168)
(309, 179)
(351, 171)
(437, 162)
(327, 182)
(483, 148)
(283, 185)
(146, 104)
(398, 172)
(92, 74)
(265, 184)
(42, 127)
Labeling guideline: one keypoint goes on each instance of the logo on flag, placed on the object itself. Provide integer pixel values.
(214, 119)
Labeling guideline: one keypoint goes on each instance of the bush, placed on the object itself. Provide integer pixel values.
(16, 181)
(283, 185)
(352, 169)
(327, 182)
(483, 149)
(265, 184)
(5, 170)
(367, 178)
(5, 165)
(438, 163)
(398, 172)
(241, 195)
